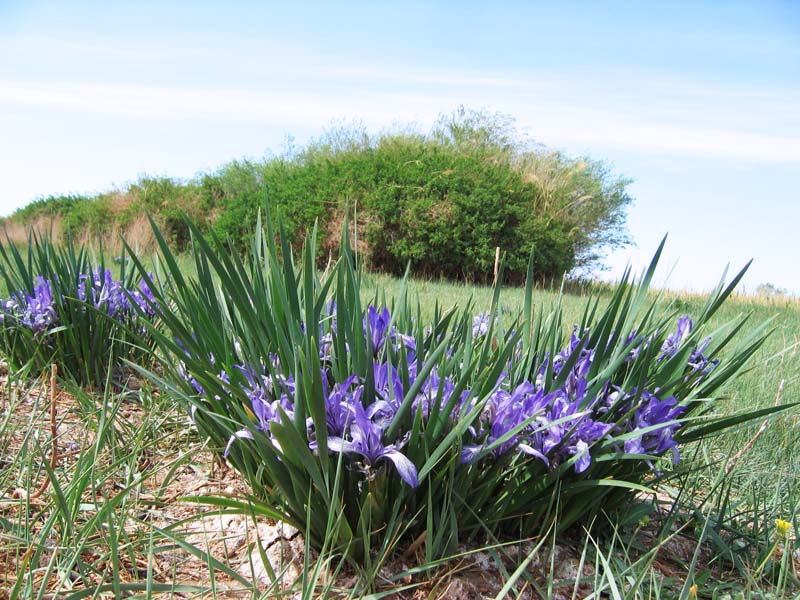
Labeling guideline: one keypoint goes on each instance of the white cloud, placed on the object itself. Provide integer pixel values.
(576, 124)
(611, 130)
(177, 103)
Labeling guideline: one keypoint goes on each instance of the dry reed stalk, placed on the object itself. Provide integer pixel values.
(53, 433)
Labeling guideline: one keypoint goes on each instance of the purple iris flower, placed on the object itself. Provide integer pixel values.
(192, 380)
(579, 370)
(564, 355)
(504, 412)
(560, 424)
(365, 441)
(258, 391)
(554, 426)
(102, 291)
(388, 386)
(35, 311)
(576, 383)
(326, 339)
(145, 299)
(376, 325)
(389, 394)
(698, 361)
(82, 286)
(655, 412)
(429, 393)
(262, 390)
(104, 294)
(38, 309)
(242, 434)
(480, 324)
(584, 435)
(339, 404)
(567, 428)
(325, 345)
(524, 402)
(673, 341)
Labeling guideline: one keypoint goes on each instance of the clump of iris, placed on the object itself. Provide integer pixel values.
(39, 310)
(551, 425)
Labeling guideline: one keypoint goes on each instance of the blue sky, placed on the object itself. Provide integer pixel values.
(699, 103)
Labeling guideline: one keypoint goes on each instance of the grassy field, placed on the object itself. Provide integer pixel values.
(97, 486)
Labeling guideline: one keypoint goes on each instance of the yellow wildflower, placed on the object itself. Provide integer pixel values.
(693, 592)
(783, 527)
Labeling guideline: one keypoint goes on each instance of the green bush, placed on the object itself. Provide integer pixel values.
(583, 198)
(169, 200)
(445, 201)
(88, 217)
(50, 206)
(446, 215)
(236, 191)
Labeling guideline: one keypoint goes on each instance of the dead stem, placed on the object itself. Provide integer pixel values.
(53, 433)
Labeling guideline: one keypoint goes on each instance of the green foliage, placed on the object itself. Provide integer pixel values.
(49, 206)
(89, 504)
(170, 200)
(445, 212)
(108, 510)
(237, 190)
(255, 348)
(582, 199)
(442, 202)
(91, 218)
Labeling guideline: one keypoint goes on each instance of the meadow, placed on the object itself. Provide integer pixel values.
(111, 490)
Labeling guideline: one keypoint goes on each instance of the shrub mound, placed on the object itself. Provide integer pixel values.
(443, 201)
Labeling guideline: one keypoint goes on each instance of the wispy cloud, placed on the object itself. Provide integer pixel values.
(154, 102)
(598, 129)
(576, 124)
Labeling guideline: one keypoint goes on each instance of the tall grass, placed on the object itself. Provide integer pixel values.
(76, 523)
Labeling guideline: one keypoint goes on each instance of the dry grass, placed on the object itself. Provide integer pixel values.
(136, 230)
(50, 226)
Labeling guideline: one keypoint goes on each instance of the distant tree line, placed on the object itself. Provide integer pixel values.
(442, 201)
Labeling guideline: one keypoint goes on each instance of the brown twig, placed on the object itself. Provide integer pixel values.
(732, 462)
(53, 433)
(415, 544)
